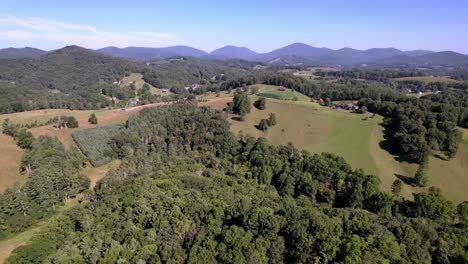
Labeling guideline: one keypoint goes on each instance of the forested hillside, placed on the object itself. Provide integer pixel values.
(189, 191)
(182, 72)
(72, 77)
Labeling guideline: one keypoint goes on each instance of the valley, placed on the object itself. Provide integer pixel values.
(119, 144)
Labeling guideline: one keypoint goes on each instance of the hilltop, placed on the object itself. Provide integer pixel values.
(17, 53)
(72, 77)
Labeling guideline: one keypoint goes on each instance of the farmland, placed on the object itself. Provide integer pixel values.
(321, 129)
(105, 117)
(93, 142)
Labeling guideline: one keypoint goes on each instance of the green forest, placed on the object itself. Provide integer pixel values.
(190, 191)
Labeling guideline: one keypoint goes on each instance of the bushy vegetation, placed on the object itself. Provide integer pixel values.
(94, 143)
(23, 138)
(93, 119)
(53, 178)
(189, 191)
(267, 123)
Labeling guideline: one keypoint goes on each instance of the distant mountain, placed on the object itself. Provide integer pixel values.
(417, 52)
(150, 54)
(233, 52)
(296, 49)
(348, 56)
(17, 53)
(443, 58)
(298, 54)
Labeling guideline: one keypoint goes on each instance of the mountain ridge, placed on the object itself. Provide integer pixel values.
(294, 54)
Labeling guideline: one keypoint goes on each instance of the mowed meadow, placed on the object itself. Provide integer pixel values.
(356, 137)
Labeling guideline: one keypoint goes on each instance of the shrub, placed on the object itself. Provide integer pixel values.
(260, 103)
(92, 119)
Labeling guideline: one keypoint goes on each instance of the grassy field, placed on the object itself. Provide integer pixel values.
(428, 79)
(105, 117)
(96, 173)
(137, 78)
(9, 162)
(271, 91)
(319, 129)
(8, 245)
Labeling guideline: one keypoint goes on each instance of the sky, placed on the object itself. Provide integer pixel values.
(259, 25)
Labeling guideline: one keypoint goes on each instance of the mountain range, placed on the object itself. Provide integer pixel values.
(294, 54)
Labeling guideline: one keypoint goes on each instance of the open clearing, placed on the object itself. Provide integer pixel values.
(105, 117)
(96, 173)
(428, 79)
(319, 129)
(9, 162)
(272, 91)
(8, 245)
(137, 79)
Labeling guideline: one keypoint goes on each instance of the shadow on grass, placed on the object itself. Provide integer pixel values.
(440, 157)
(388, 146)
(406, 179)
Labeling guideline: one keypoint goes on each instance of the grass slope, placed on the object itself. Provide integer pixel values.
(271, 91)
(318, 129)
(137, 79)
(9, 162)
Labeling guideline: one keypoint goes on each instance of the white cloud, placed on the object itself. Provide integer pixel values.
(46, 33)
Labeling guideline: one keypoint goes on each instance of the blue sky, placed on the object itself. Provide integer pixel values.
(259, 25)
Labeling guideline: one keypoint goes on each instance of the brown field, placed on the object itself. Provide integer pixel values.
(105, 117)
(218, 103)
(310, 129)
(9, 162)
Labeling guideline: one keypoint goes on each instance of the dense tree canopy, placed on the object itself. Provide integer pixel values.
(53, 178)
(189, 191)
